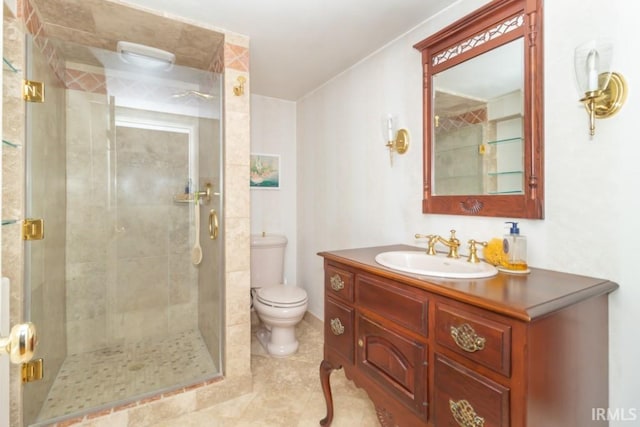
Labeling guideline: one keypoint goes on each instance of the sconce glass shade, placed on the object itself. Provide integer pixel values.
(389, 127)
(603, 91)
(397, 139)
(592, 62)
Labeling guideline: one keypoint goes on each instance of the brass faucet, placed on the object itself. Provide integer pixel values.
(452, 243)
(432, 239)
(473, 251)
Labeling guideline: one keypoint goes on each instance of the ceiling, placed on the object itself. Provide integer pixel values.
(297, 45)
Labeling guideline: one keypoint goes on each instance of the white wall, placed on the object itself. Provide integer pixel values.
(273, 131)
(348, 195)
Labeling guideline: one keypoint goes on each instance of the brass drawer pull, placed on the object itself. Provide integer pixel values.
(464, 414)
(336, 326)
(337, 284)
(466, 338)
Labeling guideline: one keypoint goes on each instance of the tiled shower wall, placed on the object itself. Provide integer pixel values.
(129, 268)
(210, 297)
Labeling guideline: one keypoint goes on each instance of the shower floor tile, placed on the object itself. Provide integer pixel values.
(90, 380)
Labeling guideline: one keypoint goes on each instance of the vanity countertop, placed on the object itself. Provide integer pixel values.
(521, 296)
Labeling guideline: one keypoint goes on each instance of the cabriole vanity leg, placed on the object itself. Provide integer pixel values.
(325, 371)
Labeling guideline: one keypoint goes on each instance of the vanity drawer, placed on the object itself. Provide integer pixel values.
(339, 333)
(463, 397)
(475, 337)
(338, 283)
(401, 305)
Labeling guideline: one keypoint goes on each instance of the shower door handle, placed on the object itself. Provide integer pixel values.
(213, 224)
(20, 344)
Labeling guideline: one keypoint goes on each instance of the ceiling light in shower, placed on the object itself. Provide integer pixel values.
(145, 56)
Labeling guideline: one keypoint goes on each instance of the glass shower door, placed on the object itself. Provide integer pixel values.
(113, 169)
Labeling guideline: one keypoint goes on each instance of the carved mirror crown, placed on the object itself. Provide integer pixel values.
(483, 121)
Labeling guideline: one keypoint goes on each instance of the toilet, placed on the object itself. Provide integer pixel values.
(280, 306)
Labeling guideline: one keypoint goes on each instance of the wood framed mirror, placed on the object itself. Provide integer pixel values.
(483, 113)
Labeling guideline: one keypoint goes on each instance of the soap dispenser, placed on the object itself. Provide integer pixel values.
(515, 247)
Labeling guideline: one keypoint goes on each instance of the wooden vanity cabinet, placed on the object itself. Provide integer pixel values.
(512, 350)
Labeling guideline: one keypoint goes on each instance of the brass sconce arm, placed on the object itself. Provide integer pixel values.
(601, 104)
(400, 144)
(238, 89)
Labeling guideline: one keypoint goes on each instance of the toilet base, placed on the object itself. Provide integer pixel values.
(279, 342)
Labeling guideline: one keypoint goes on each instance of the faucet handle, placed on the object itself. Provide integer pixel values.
(431, 243)
(473, 251)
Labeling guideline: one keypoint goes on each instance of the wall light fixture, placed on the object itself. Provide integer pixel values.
(604, 91)
(238, 89)
(397, 140)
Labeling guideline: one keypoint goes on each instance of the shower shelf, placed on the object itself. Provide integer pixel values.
(10, 144)
(204, 196)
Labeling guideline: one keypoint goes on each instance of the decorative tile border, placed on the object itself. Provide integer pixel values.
(236, 57)
(445, 124)
(134, 404)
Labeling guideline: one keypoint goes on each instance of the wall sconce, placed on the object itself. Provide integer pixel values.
(238, 89)
(397, 140)
(604, 91)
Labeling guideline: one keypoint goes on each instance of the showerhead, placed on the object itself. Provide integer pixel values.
(202, 95)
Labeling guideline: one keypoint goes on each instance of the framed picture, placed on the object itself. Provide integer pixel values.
(265, 171)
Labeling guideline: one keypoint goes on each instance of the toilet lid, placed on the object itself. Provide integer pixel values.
(282, 295)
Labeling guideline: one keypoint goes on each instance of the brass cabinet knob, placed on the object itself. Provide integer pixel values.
(466, 338)
(337, 284)
(20, 344)
(336, 326)
(464, 414)
(360, 343)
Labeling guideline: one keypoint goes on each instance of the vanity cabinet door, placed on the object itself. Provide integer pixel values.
(465, 398)
(395, 362)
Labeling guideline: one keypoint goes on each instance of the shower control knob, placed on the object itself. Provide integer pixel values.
(20, 344)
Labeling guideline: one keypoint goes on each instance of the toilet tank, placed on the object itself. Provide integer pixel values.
(267, 259)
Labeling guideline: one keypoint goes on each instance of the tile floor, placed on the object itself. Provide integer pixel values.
(287, 392)
(90, 380)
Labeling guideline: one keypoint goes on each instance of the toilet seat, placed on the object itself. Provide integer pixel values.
(282, 296)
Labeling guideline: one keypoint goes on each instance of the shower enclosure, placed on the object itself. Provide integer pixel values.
(121, 160)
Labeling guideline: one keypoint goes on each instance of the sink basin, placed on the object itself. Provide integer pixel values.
(418, 262)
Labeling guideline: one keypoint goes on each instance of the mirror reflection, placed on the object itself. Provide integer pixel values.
(478, 121)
